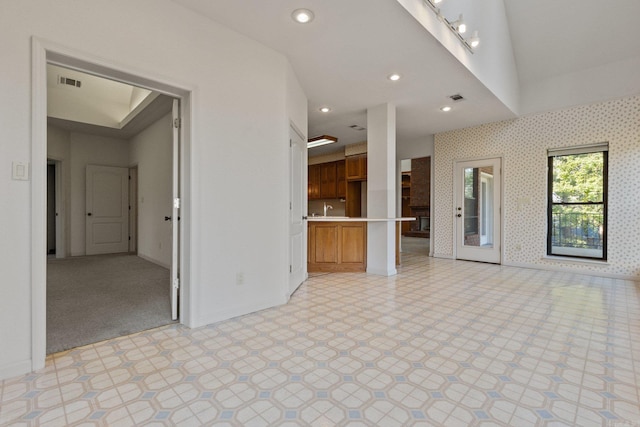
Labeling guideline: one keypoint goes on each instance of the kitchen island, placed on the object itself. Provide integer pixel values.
(340, 243)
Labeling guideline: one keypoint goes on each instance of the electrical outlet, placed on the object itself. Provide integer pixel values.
(239, 279)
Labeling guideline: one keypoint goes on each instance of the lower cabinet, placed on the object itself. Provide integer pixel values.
(337, 246)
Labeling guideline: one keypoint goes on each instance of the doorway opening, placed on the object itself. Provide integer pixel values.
(416, 202)
(92, 144)
(111, 285)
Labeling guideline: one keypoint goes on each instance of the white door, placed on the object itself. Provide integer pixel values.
(297, 247)
(175, 213)
(477, 210)
(107, 210)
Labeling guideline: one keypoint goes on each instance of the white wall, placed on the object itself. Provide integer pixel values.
(59, 148)
(241, 107)
(523, 143)
(151, 151)
(493, 62)
(89, 150)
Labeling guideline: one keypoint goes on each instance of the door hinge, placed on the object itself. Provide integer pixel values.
(176, 203)
(290, 205)
(290, 269)
(290, 143)
(177, 123)
(176, 283)
(129, 237)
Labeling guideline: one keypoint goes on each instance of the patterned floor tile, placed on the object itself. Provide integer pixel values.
(442, 343)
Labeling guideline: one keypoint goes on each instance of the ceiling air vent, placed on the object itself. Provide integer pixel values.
(69, 82)
(357, 127)
(457, 97)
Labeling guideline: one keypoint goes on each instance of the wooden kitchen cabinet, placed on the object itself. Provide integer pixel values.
(341, 179)
(356, 167)
(337, 246)
(328, 181)
(313, 181)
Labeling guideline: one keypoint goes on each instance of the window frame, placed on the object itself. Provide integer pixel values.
(552, 153)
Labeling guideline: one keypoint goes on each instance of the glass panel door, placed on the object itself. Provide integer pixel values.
(478, 210)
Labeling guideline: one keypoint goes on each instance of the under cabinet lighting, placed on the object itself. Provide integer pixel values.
(321, 140)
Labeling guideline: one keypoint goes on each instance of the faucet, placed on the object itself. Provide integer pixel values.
(326, 206)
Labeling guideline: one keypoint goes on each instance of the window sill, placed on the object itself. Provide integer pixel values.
(572, 260)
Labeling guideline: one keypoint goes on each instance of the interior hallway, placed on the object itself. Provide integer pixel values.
(444, 342)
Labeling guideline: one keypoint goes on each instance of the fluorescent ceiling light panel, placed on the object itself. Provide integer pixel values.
(321, 140)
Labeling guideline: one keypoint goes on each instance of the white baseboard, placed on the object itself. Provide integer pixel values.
(382, 271)
(236, 311)
(154, 261)
(15, 369)
(563, 268)
(444, 256)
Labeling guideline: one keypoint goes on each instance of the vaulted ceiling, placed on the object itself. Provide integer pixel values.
(343, 57)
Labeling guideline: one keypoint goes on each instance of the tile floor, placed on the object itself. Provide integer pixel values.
(442, 343)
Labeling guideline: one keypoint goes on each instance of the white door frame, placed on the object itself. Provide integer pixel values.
(43, 52)
(499, 215)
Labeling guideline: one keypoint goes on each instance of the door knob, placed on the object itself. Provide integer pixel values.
(89, 214)
(167, 218)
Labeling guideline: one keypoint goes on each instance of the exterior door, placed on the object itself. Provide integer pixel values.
(175, 213)
(107, 210)
(297, 186)
(477, 210)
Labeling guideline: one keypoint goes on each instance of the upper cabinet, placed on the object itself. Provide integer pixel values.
(313, 181)
(327, 180)
(356, 167)
(341, 178)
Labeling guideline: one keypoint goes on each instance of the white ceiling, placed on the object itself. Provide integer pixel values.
(343, 57)
(101, 106)
(552, 37)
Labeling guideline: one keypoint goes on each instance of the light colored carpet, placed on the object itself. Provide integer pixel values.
(94, 298)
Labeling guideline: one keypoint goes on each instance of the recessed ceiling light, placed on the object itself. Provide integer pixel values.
(302, 16)
(324, 109)
(394, 77)
(446, 108)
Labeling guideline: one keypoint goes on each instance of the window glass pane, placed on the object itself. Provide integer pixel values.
(577, 230)
(578, 178)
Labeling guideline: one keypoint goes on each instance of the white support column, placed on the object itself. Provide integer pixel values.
(381, 189)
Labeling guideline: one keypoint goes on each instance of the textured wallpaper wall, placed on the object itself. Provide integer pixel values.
(522, 143)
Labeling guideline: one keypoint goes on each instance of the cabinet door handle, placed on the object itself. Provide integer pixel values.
(167, 218)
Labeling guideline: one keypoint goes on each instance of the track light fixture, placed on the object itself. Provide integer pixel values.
(457, 27)
(474, 41)
(460, 25)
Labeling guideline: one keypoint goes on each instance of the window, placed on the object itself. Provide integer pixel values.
(577, 207)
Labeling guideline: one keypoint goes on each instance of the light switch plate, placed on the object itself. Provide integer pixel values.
(20, 171)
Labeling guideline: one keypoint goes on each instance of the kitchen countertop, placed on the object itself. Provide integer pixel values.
(349, 219)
